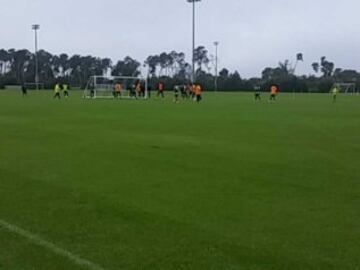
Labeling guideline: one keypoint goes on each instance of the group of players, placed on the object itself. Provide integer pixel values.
(57, 90)
(137, 90)
(191, 91)
(61, 88)
(274, 90)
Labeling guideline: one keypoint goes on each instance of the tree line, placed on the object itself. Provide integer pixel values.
(18, 67)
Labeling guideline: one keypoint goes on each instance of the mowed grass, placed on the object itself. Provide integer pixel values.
(225, 184)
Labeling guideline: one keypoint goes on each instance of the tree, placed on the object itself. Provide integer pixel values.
(17, 66)
(346, 76)
(126, 67)
(327, 67)
(45, 61)
(224, 73)
(201, 57)
(105, 65)
(4, 58)
(152, 62)
(64, 64)
(19, 63)
(284, 68)
(316, 67)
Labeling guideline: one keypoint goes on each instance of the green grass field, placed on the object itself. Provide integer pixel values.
(227, 184)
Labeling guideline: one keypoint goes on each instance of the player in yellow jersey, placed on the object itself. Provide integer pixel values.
(66, 90)
(335, 91)
(57, 90)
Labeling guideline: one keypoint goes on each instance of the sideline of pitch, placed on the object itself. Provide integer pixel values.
(37, 240)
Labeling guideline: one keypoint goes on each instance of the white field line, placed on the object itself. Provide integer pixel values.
(37, 240)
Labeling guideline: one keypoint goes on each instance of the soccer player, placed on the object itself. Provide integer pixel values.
(335, 91)
(176, 93)
(160, 88)
(118, 89)
(92, 90)
(183, 91)
(188, 90)
(257, 93)
(66, 90)
(57, 91)
(198, 91)
(193, 91)
(24, 90)
(274, 89)
(138, 89)
(149, 91)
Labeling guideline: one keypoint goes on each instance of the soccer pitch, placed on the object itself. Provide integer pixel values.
(225, 184)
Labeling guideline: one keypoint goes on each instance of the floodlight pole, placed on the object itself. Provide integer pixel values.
(193, 76)
(36, 27)
(216, 43)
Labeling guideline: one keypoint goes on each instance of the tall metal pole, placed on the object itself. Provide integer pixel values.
(36, 27)
(193, 76)
(216, 43)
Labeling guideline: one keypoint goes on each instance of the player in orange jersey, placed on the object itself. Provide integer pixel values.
(274, 89)
(198, 91)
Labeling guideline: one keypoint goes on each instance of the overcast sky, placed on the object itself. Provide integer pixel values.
(253, 34)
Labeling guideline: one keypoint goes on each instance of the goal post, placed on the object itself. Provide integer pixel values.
(111, 87)
(346, 88)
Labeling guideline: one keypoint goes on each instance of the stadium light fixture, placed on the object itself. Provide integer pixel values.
(216, 43)
(36, 27)
(193, 76)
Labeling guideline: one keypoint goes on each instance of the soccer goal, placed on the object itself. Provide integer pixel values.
(347, 88)
(111, 87)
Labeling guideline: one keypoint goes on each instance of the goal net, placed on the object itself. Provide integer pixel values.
(346, 88)
(110, 87)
